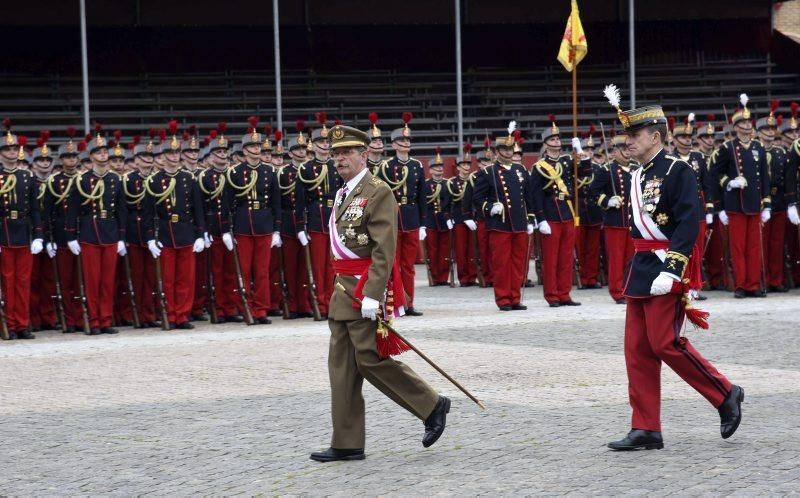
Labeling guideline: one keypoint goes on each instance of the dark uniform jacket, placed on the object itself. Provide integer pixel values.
(457, 189)
(792, 171)
(590, 212)
(697, 161)
(59, 188)
(553, 189)
(133, 186)
(288, 183)
(669, 198)
(733, 159)
(437, 200)
(216, 201)
(612, 180)
(317, 183)
(98, 209)
(254, 196)
(19, 209)
(779, 192)
(173, 201)
(406, 180)
(510, 186)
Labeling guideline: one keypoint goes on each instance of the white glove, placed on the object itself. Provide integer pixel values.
(723, 217)
(709, 219)
(155, 248)
(497, 208)
(766, 214)
(207, 240)
(614, 202)
(369, 308)
(576, 144)
(450, 224)
(276, 240)
(51, 249)
(37, 246)
(199, 245)
(544, 227)
(530, 228)
(422, 233)
(793, 216)
(737, 182)
(74, 247)
(121, 249)
(303, 238)
(471, 224)
(662, 284)
(227, 241)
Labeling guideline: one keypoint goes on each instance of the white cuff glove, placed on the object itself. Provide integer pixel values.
(471, 224)
(227, 240)
(369, 308)
(766, 214)
(662, 284)
(51, 249)
(155, 248)
(723, 217)
(530, 228)
(497, 208)
(576, 144)
(74, 247)
(37, 246)
(207, 240)
(737, 182)
(199, 245)
(303, 238)
(544, 227)
(709, 219)
(276, 240)
(793, 216)
(614, 202)
(422, 233)
(121, 249)
(450, 224)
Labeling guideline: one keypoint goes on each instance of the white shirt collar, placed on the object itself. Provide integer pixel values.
(354, 181)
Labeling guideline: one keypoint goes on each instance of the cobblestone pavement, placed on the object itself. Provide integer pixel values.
(231, 409)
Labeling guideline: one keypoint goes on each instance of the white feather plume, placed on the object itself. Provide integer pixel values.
(744, 99)
(512, 125)
(612, 94)
(691, 117)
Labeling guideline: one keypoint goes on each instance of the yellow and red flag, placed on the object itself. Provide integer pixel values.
(574, 45)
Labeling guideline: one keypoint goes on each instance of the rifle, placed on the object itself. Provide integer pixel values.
(478, 265)
(212, 291)
(58, 298)
(787, 267)
(131, 293)
(162, 297)
(3, 324)
(527, 267)
(284, 285)
(452, 270)
(312, 285)
(427, 263)
(81, 288)
(726, 261)
(537, 256)
(576, 270)
(248, 316)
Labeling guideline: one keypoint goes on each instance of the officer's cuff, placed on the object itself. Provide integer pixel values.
(766, 203)
(675, 264)
(723, 182)
(601, 201)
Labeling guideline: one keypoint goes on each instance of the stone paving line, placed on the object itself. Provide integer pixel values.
(236, 410)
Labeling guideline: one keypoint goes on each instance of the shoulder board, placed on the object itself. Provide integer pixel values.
(375, 181)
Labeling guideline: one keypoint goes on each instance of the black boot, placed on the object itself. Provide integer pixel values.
(109, 330)
(413, 312)
(262, 320)
(335, 454)
(730, 412)
(638, 439)
(234, 318)
(434, 424)
(185, 326)
(25, 334)
(518, 307)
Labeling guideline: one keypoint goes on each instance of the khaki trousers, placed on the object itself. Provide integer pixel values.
(353, 357)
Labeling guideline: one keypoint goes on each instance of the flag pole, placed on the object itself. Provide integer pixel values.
(575, 134)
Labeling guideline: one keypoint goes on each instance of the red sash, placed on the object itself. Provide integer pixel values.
(360, 267)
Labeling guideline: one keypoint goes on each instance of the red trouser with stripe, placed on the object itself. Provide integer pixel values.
(275, 292)
(465, 254)
(619, 251)
(652, 336)
(508, 253)
(16, 264)
(484, 249)
(200, 301)
(99, 264)
(321, 266)
(67, 269)
(296, 275)
(557, 251)
(143, 275)
(43, 288)
(587, 239)
(715, 256)
(122, 302)
(773, 235)
(224, 274)
(438, 246)
(254, 256)
(745, 242)
(177, 270)
(406, 255)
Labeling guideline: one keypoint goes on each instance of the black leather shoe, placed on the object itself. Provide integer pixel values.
(413, 312)
(93, 331)
(621, 301)
(262, 320)
(638, 439)
(292, 316)
(517, 307)
(434, 424)
(596, 285)
(730, 412)
(202, 317)
(505, 307)
(185, 326)
(739, 294)
(305, 314)
(274, 313)
(11, 335)
(109, 330)
(757, 293)
(25, 334)
(124, 323)
(778, 288)
(700, 297)
(335, 455)
(570, 303)
(70, 330)
(554, 304)
(529, 283)
(172, 326)
(233, 318)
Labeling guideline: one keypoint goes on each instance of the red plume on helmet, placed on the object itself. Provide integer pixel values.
(45, 136)
(300, 125)
(278, 135)
(213, 134)
(172, 125)
(193, 130)
(711, 117)
(793, 107)
(779, 119)
(322, 117)
(118, 135)
(22, 140)
(253, 122)
(137, 139)
(222, 126)
(592, 130)
(517, 134)
(185, 135)
(82, 146)
(7, 124)
(407, 117)
(70, 132)
(152, 133)
(699, 124)
(773, 105)
(98, 127)
(267, 130)
(551, 118)
(131, 146)
(206, 141)
(438, 149)
(39, 142)
(88, 137)
(487, 142)
(467, 147)
(337, 122)
(671, 123)
(162, 134)
(373, 117)
(112, 143)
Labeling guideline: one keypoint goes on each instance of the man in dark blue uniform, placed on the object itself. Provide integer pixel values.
(587, 235)
(437, 221)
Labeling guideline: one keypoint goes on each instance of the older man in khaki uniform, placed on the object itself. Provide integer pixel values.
(363, 234)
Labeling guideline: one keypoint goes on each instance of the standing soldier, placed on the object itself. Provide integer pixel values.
(256, 206)
(789, 132)
(781, 194)
(406, 177)
(22, 236)
(663, 211)
(43, 283)
(174, 229)
(715, 252)
(266, 146)
(740, 168)
(474, 219)
(551, 184)
(123, 312)
(502, 194)
(317, 186)
(611, 192)
(462, 234)
(97, 218)
(375, 147)
(275, 259)
(437, 221)
(587, 236)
